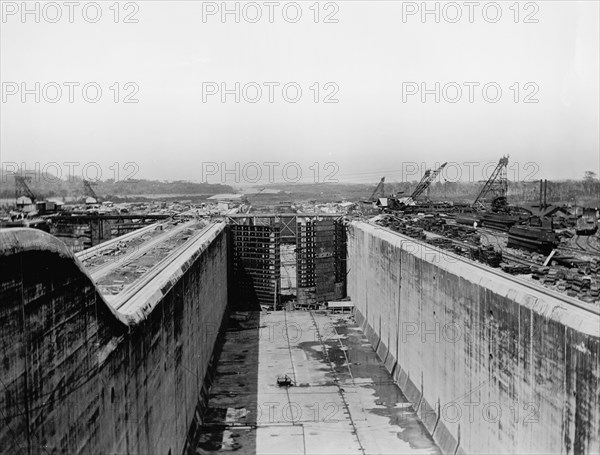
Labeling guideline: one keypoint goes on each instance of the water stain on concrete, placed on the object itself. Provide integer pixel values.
(338, 362)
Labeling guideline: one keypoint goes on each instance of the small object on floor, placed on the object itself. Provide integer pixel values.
(284, 381)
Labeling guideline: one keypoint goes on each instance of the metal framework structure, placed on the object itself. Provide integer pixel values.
(285, 219)
(320, 241)
(496, 185)
(84, 230)
(320, 260)
(428, 177)
(256, 264)
(22, 189)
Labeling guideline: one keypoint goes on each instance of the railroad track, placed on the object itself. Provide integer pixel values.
(589, 250)
(107, 267)
(102, 269)
(593, 252)
(124, 298)
(512, 257)
(519, 260)
(588, 241)
(505, 255)
(488, 233)
(335, 375)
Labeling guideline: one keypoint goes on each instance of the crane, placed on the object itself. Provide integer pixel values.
(496, 185)
(428, 177)
(379, 191)
(22, 189)
(88, 190)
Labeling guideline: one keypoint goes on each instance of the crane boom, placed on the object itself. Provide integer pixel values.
(428, 177)
(88, 190)
(497, 184)
(22, 189)
(379, 189)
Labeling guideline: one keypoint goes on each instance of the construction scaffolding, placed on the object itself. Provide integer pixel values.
(320, 256)
(256, 264)
(321, 260)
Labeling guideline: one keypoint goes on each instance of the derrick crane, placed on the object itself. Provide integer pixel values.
(496, 185)
(22, 189)
(379, 191)
(88, 190)
(428, 177)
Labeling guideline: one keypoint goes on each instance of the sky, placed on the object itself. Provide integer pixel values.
(361, 68)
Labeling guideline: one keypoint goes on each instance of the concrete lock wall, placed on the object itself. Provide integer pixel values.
(78, 376)
(490, 364)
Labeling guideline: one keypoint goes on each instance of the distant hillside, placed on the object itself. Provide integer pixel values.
(579, 192)
(48, 185)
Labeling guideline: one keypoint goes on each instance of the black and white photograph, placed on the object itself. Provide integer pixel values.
(312, 227)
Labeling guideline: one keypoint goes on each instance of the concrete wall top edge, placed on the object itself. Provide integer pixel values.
(15, 241)
(139, 306)
(19, 240)
(134, 310)
(538, 301)
(76, 378)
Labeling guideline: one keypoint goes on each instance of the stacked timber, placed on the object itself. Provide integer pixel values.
(415, 232)
(488, 255)
(466, 234)
(516, 269)
(431, 224)
(582, 283)
(440, 242)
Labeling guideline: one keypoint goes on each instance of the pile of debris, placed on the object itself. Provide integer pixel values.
(118, 250)
(400, 226)
(431, 224)
(471, 249)
(414, 232)
(488, 255)
(582, 282)
(515, 269)
(390, 222)
(466, 234)
(441, 242)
